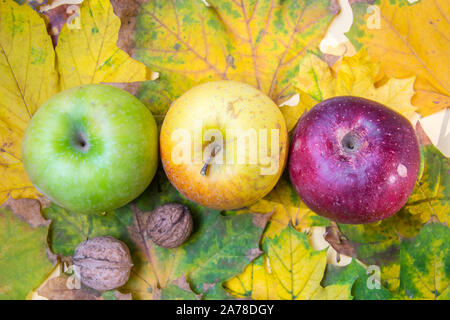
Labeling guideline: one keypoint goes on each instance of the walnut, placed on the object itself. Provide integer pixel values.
(169, 225)
(104, 263)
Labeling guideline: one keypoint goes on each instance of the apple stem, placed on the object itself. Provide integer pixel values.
(214, 151)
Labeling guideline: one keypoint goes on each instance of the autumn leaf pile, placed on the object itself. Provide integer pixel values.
(265, 251)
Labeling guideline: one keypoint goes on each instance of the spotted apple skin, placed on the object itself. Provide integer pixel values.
(353, 160)
(222, 105)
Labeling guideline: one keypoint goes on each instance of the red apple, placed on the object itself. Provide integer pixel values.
(353, 160)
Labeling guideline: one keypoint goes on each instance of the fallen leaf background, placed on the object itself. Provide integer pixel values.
(412, 41)
(220, 246)
(273, 45)
(289, 269)
(258, 42)
(354, 76)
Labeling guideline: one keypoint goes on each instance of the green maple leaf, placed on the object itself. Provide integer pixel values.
(424, 269)
(425, 264)
(179, 289)
(69, 229)
(23, 256)
(377, 244)
(360, 276)
(431, 196)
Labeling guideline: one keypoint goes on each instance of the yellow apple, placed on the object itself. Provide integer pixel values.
(224, 144)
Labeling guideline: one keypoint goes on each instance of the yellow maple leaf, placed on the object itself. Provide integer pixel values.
(90, 54)
(255, 282)
(285, 208)
(290, 270)
(282, 215)
(27, 79)
(315, 79)
(354, 76)
(257, 42)
(411, 40)
(334, 292)
(292, 112)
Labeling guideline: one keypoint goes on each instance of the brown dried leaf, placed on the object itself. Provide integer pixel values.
(55, 19)
(58, 289)
(339, 242)
(260, 220)
(127, 11)
(122, 296)
(29, 210)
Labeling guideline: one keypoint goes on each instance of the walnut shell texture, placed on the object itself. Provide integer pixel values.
(104, 263)
(169, 225)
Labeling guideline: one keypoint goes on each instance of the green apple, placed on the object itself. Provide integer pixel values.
(224, 144)
(91, 148)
